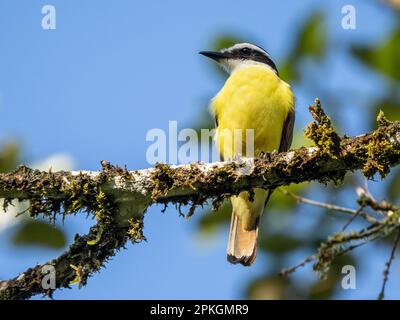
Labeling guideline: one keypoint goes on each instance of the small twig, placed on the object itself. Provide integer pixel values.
(329, 206)
(359, 210)
(387, 266)
(354, 246)
(285, 272)
(366, 199)
(21, 213)
(317, 203)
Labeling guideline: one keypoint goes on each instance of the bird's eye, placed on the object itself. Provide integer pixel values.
(245, 50)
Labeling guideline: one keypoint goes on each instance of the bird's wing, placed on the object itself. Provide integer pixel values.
(216, 128)
(287, 132)
(286, 140)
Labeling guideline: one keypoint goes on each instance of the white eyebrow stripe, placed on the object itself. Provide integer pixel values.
(231, 63)
(239, 46)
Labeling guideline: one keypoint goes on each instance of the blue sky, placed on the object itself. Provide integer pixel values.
(111, 71)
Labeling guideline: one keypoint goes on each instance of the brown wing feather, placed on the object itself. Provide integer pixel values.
(286, 140)
(287, 132)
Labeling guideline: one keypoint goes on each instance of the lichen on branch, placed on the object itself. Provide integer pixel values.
(322, 132)
(62, 194)
(118, 198)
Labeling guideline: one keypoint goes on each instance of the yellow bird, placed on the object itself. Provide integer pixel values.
(253, 102)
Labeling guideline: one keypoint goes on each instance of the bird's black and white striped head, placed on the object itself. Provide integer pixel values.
(241, 54)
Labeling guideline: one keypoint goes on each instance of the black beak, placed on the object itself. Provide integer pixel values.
(215, 55)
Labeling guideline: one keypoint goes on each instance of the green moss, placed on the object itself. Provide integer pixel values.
(343, 242)
(377, 151)
(325, 256)
(136, 230)
(322, 132)
(166, 180)
(380, 150)
(61, 193)
(375, 154)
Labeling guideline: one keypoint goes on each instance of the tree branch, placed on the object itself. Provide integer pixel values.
(373, 152)
(342, 242)
(118, 198)
(85, 257)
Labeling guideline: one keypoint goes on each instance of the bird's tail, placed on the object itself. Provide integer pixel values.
(242, 245)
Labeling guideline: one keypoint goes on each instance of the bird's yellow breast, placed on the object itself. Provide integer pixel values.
(253, 97)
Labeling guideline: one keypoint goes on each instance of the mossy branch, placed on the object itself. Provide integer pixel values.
(118, 198)
(82, 260)
(386, 223)
(134, 191)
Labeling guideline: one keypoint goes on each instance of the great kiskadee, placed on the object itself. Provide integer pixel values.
(253, 97)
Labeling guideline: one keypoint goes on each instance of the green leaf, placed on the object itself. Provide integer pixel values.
(393, 188)
(311, 40)
(39, 233)
(282, 202)
(272, 288)
(384, 57)
(210, 221)
(287, 70)
(390, 107)
(325, 289)
(9, 156)
(279, 243)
